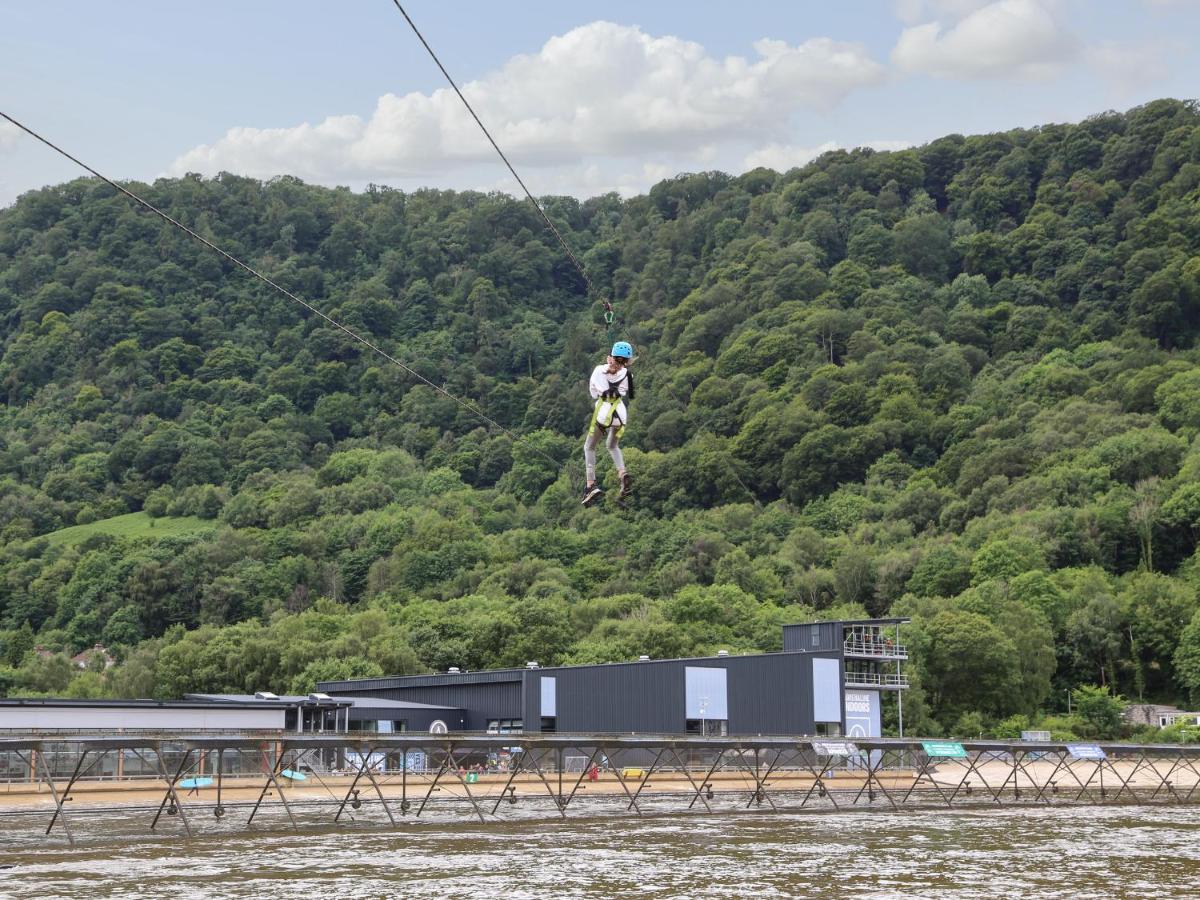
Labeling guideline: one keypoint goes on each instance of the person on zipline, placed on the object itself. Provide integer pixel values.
(611, 383)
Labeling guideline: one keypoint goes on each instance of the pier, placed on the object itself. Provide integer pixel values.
(189, 784)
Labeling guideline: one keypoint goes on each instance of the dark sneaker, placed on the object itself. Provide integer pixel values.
(626, 485)
(590, 493)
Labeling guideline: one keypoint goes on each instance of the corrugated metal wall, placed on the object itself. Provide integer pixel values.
(481, 700)
(767, 694)
(415, 719)
(800, 637)
(351, 687)
(771, 694)
(644, 696)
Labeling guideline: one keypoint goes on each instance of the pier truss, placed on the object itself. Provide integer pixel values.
(205, 784)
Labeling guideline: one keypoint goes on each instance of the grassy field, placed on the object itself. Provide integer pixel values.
(131, 525)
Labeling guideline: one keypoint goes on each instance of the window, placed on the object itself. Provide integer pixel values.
(829, 729)
(815, 632)
(505, 726)
(549, 723)
(707, 727)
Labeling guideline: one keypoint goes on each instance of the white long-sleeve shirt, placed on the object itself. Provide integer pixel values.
(601, 381)
(607, 412)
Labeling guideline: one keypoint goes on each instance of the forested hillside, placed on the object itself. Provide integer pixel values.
(958, 382)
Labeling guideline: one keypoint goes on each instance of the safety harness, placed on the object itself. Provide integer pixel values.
(608, 402)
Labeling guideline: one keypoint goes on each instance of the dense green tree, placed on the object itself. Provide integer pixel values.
(966, 664)
(1099, 710)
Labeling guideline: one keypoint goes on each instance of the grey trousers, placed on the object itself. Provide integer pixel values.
(589, 450)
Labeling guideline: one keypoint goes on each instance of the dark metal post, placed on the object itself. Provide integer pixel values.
(170, 794)
(433, 785)
(58, 804)
(511, 777)
(353, 784)
(404, 781)
(587, 766)
(219, 810)
(819, 778)
(706, 782)
(273, 780)
(1050, 785)
(545, 782)
(379, 792)
(466, 787)
(559, 763)
(643, 783)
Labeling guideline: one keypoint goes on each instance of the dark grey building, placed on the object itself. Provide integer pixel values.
(827, 681)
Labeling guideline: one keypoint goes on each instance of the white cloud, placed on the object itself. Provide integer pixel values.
(782, 157)
(590, 180)
(1005, 39)
(9, 133)
(600, 90)
(1128, 67)
(913, 11)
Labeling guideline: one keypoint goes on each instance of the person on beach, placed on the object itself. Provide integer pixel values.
(611, 385)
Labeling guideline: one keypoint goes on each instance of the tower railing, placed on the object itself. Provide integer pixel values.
(874, 649)
(876, 679)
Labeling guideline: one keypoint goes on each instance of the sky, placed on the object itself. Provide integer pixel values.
(584, 97)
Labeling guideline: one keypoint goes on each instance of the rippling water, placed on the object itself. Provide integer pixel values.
(1011, 852)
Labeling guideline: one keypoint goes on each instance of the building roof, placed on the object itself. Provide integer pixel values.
(288, 700)
(491, 676)
(1158, 709)
(291, 700)
(377, 703)
(900, 621)
(83, 658)
(191, 702)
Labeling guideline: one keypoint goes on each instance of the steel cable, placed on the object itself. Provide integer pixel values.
(608, 307)
(474, 410)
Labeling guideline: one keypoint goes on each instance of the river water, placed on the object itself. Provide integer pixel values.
(1070, 852)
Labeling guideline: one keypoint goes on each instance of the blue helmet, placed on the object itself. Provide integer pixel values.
(623, 349)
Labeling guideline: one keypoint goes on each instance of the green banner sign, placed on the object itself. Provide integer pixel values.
(950, 749)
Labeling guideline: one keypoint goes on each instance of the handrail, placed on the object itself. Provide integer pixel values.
(875, 648)
(883, 679)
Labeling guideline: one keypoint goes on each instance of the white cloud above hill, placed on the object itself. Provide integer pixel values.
(782, 157)
(1006, 39)
(600, 90)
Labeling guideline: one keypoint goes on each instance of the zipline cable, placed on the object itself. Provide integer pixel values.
(608, 307)
(470, 407)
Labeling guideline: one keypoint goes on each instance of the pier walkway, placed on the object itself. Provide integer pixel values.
(201, 782)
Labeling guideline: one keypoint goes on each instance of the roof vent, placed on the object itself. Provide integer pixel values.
(453, 670)
(265, 695)
(320, 698)
(532, 664)
(722, 653)
(643, 658)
